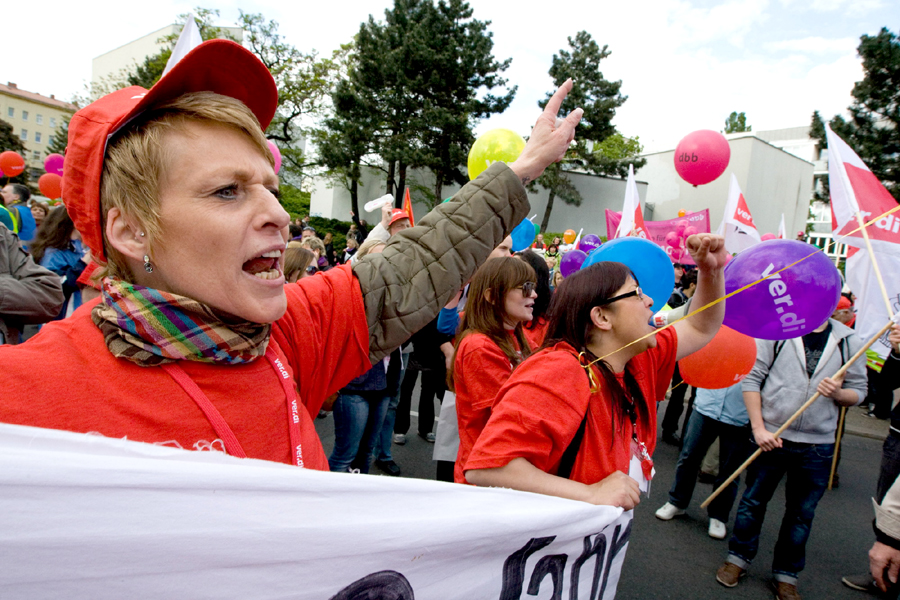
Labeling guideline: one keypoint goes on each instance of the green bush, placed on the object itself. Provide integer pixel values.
(295, 201)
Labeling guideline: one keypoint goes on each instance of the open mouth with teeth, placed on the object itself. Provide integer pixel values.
(264, 266)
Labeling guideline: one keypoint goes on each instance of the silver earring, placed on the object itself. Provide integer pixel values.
(147, 266)
(141, 233)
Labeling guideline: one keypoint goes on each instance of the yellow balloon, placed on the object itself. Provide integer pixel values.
(497, 145)
(569, 236)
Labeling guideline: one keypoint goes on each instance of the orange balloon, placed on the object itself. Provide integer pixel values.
(11, 163)
(682, 212)
(723, 362)
(569, 236)
(50, 185)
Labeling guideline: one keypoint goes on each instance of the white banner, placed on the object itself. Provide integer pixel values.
(871, 312)
(84, 516)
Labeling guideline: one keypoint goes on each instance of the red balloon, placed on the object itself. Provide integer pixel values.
(50, 185)
(723, 362)
(12, 163)
(702, 156)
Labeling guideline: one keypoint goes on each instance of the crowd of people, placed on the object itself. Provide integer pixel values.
(179, 287)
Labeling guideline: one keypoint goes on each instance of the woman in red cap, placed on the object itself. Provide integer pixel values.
(196, 341)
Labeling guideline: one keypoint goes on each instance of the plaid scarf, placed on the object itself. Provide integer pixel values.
(150, 327)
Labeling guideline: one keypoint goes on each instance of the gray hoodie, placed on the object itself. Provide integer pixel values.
(785, 386)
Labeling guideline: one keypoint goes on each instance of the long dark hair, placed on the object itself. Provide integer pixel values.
(55, 232)
(542, 302)
(486, 307)
(570, 322)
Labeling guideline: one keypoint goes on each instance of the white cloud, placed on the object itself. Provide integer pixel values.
(816, 45)
(862, 6)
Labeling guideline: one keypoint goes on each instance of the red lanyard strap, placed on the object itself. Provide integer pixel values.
(215, 418)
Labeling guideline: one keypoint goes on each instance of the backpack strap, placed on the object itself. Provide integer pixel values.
(568, 457)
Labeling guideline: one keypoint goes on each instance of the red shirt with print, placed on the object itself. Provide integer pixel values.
(65, 378)
(539, 409)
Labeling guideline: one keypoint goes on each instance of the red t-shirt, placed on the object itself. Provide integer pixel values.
(539, 409)
(479, 370)
(535, 335)
(65, 378)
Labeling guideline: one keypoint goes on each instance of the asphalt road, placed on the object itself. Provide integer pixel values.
(678, 560)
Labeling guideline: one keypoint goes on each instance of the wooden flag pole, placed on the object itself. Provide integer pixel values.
(884, 293)
(837, 445)
(794, 417)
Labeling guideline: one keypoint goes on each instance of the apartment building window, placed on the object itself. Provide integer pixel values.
(39, 119)
(11, 111)
(36, 155)
(37, 137)
(24, 135)
(53, 122)
(49, 140)
(24, 115)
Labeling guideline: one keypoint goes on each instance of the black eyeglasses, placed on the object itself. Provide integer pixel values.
(528, 287)
(635, 292)
(311, 270)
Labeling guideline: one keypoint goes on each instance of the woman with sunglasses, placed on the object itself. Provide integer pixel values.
(490, 344)
(579, 416)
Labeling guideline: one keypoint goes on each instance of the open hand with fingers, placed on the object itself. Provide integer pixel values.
(549, 139)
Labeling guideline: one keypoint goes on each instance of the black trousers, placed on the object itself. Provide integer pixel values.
(433, 385)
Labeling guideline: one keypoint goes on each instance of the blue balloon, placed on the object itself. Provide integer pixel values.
(523, 235)
(649, 263)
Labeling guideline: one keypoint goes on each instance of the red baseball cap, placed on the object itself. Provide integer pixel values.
(398, 214)
(220, 66)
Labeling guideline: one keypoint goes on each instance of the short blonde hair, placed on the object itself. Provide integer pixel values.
(313, 243)
(134, 166)
(368, 246)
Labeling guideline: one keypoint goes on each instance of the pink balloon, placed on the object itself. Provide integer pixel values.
(689, 231)
(276, 153)
(677, 253)
(702, 156)
(768, 236)
(672, 239)
(680, 227)
(53, 164)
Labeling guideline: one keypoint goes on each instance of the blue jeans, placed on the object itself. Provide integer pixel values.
(807, 467)
(382, 449)
(734, 446)
(355, 417)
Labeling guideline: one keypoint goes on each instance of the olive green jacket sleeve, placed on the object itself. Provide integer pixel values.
(421, 268)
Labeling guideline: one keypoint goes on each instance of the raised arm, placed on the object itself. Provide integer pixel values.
(708, 251)
(421, 268)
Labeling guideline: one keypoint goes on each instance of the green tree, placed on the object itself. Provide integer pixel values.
(737, 123)
(10, 141)
(412, 94)
(873, 129)
(60, 138)
(599, 98)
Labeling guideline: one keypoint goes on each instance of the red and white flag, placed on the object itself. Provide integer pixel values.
(782, 234)
(632, 223)
(854, 188)
(737, 224)
(187, 41)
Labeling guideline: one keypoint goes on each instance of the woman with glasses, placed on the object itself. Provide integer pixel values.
(578, 418)
(490, 343)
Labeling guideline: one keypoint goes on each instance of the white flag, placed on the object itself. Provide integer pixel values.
(632, 222)
(83, 516)
(737, 223)
(187, 41)
(782, 234)
(871, 311)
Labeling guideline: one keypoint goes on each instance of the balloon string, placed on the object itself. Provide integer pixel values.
(739, 290)
(680, 383)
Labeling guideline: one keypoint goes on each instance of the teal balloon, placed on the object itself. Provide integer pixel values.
(649, 263)
(523, 235)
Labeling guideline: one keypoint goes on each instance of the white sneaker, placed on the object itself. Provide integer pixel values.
(667, 511)
(717, 529)
(399, 439)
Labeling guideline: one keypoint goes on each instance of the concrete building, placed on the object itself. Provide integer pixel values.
(773, 180)
(332, 200)
(113, 65)
(35, 119)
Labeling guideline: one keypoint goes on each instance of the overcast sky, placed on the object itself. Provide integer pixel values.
(684, 65)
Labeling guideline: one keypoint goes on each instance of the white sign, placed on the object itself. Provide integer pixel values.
(84, 516)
